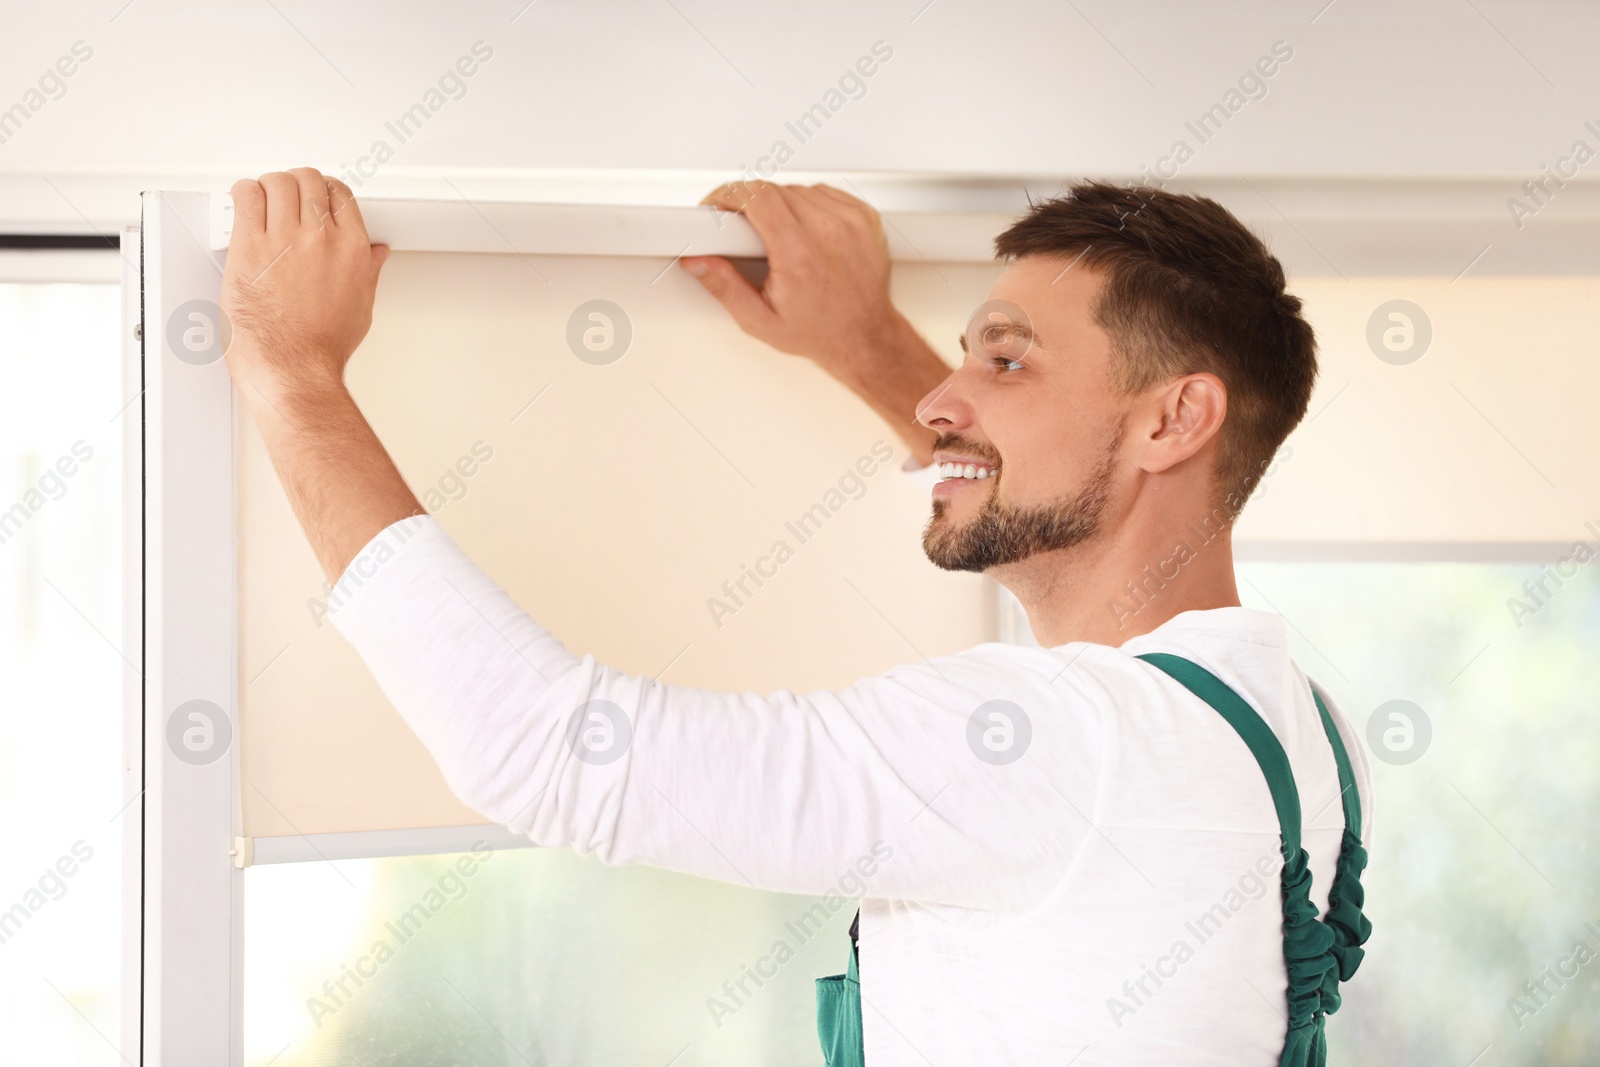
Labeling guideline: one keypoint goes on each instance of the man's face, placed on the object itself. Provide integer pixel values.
(1032, 404)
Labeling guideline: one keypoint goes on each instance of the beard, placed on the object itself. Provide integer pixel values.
(1004, 533)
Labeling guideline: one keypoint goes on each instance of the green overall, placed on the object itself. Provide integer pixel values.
(1318, 953)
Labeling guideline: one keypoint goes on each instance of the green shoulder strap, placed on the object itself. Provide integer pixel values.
(1346, 897)
(1252, 729)
(1317, 954)
(1347, 779)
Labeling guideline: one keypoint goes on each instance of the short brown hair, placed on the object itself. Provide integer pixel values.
(1188, 288)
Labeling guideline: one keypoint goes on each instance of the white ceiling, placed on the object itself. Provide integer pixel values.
(192, 94)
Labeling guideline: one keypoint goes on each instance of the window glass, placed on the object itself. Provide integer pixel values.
(1475, 689)
(61, 664)
(528, 956)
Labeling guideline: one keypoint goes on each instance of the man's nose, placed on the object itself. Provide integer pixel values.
(945, 409)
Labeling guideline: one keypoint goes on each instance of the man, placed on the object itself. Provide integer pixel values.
(1069, 856)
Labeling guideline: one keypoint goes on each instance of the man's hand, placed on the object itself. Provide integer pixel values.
(826, 297)
(299, 283)
(298, 289)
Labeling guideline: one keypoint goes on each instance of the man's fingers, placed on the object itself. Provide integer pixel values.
(835, 192)
(848, 210)
(747, 306)
(283, 203)
(854, 204)
(249, 208)
(821, 214)
(342, 206)
(380, 256)
(764, 204)
(731, 196)
(313, 196)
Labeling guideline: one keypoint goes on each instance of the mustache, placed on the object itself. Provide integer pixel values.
(956, 442)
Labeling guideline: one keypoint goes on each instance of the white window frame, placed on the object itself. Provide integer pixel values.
(132, 992)
(183, 962)
(188, 931)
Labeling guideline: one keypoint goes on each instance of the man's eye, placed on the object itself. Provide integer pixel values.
(1002, 363)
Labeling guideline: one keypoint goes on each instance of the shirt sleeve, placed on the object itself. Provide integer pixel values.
(782, 791)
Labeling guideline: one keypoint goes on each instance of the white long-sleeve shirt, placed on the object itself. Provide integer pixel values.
(1093, 877)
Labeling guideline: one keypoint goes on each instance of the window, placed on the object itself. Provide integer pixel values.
(61, 642)
(1480, 877)
(534, 956)
(1474, 889)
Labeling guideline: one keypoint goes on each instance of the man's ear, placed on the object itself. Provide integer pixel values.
(1184, 415)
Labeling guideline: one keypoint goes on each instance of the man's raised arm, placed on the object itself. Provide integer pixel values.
(781, 791)
(298, 290)
(826, 297)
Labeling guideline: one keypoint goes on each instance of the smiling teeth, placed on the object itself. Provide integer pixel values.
(963, 470)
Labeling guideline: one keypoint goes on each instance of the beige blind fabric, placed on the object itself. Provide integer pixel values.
(613, 507)
(1481, 440)
(614, 501)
